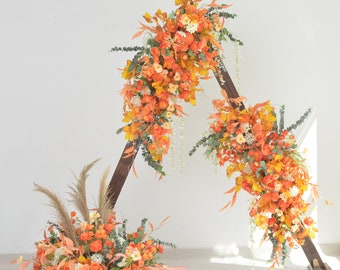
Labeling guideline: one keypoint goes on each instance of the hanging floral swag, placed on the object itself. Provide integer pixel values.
(180, 51)
(93, 239)
(264, 154)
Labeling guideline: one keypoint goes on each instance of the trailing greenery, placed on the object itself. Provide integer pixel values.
(127, 49)
(300, 120)
(210, 141)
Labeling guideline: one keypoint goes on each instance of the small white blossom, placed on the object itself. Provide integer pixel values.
(295, 212)
(97, 257)
(283, 197)
(191, 27)
(122, 263)
(278, 186)
(147, 91)
(240, 139)
(135, 101)
(135, 255)
(57, 253)
(121, 240)
(181, 33)
(294, 191)
(278, 212)
(295, 228)
(94, 216)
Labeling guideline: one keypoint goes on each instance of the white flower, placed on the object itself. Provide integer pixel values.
(77, 266)
(295, 224)
(147, 91)
(94, 216)
(283, 197)
(57, 253)
(240, 139)
(278, 212)
(122, 263)
(181, 33)
(295, 212)
(295, 228)
(97, 257)
(294, 191)
(185, 19)
(296, 221)
(135, 101)
(278, 186)
(191, 27)
(157, 67)
(121, 240)
(135, 255)
(172, 88)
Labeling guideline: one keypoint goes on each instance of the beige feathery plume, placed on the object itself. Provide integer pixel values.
(104, 207)
(64, 219)
(78, 192)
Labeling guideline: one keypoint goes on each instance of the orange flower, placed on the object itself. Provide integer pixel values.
(308, 221)
(96, 246)
(101, 234)
(109, 227)
(86, 236)
(95, 266)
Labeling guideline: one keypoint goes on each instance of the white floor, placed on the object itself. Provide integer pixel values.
(200, 259)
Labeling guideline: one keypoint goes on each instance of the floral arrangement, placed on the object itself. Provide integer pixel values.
(93, 240)
(253, 144)
(180, 50)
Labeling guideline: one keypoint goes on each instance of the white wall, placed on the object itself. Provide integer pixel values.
(60, 108)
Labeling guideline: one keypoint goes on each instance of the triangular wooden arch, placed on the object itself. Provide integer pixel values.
(125, 163)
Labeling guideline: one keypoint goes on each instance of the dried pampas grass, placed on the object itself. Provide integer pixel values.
(78, 192)
(64, 218)
(104, 207)
(79, 200)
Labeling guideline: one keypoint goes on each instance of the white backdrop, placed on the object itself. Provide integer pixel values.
(60, 107)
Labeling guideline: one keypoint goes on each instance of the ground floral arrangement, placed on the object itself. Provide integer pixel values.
(94, 239)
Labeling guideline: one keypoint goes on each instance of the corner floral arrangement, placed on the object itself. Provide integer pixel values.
(180, 51)
(255, 145)
(93, 239)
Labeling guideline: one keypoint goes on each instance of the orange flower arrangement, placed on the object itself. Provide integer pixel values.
(94, 240)
(101, 245)
(167, 71)
(269, 167)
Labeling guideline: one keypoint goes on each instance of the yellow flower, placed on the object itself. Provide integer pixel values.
(147, 17)
(19, 260)
(168, 114)
(185, 19)
(126, 74)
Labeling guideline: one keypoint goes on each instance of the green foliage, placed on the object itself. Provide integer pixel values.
(148, 158)
(300, 120)
(210, 141)
(127, 49)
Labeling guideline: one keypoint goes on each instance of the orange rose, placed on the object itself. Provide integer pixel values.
(95, 266)
(85, 236)
(96, 246)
